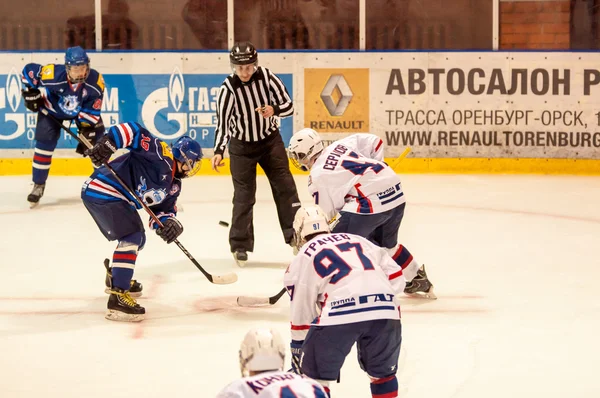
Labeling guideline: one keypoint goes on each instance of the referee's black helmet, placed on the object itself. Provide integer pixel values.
(243, 53)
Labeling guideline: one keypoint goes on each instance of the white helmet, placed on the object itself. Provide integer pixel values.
(305, 146)
(261, 350)
(309, 220)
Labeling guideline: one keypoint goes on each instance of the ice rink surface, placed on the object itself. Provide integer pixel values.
(514, 260)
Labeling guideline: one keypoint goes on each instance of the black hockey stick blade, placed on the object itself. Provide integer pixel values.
(248, 301)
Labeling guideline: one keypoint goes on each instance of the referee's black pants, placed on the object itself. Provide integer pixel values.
(270, 154)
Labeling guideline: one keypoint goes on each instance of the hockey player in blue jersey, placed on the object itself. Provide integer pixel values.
(151, 169)
(72, 91)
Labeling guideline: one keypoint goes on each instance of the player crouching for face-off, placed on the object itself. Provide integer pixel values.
(262, 356)
(354, 283)
(154, 171)
(349, 177)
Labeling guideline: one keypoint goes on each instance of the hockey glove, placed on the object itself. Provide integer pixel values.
(170, 230)
(88, 133)
(33, 99)
(296, 348)
(101, 152)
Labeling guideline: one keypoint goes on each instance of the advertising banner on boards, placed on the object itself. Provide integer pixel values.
(492, 105)
(444, 105)
(168, 105)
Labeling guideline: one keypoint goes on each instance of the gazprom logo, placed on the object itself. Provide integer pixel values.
(13, 89)
(159, 100)
(178, 104)
(176, 89)
(13, 124)
(339, 83)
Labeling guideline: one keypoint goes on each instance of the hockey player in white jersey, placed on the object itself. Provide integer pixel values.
(343, 291)
(262, 356)
(349, 177)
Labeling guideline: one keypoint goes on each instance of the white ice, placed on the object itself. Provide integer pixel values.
(514, 260)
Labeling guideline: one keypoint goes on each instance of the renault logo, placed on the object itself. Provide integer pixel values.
(336, 81)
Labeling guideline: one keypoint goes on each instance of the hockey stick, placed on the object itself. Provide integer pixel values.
(248, 301)
(217, 279)
(399, 159)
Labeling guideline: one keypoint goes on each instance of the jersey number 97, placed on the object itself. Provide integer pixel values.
(328, 262)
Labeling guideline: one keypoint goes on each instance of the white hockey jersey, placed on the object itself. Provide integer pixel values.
(350, 175)
(273, 385)
(339, 279)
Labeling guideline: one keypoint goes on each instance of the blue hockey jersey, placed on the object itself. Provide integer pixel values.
(148, 169)
(64, 100)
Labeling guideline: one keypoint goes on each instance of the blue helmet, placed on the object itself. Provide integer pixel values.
(76, 56)
(188, 152)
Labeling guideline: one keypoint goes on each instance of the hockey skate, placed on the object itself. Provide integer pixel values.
(36, 194)
(240, 257)
(135, 288)
(420, 286)
(123, 308)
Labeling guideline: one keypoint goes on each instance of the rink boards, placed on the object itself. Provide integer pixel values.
(459, 112)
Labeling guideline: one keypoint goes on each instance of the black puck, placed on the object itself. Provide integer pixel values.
(223, 223)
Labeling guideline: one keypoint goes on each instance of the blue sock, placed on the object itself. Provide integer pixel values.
(42, 157)
(385, 388)
(402, 257)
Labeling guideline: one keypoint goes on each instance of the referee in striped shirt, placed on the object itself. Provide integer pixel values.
(248, 100)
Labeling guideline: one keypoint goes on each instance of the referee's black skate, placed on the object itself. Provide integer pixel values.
(420, 286)
(36, 194)
(240, 257)
(135, 287)
(122, 307)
